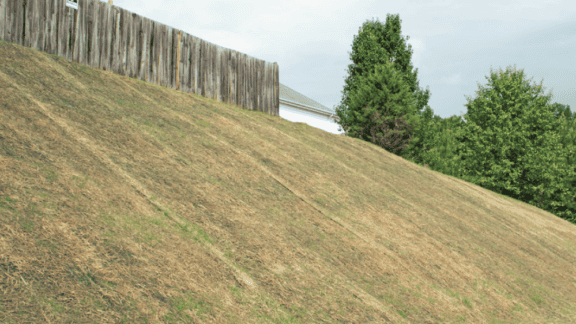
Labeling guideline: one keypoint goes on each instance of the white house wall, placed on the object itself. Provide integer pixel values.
(314, 120)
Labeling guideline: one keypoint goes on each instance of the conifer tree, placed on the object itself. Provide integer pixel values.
(382, 109)
(374, 45)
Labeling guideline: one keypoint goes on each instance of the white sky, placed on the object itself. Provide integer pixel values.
(454, 43)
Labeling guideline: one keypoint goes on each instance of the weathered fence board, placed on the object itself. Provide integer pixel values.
(94, 50)
(107, 37)
(214, 71)
(242, 80)
(232, 78)
(276, 89)
(260, 72)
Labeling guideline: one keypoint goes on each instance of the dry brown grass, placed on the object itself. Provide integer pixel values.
(126, 202)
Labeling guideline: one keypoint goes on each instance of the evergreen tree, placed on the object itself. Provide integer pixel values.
(382, 110)
(378, 44)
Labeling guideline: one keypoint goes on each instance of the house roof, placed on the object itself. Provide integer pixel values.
(290, 96)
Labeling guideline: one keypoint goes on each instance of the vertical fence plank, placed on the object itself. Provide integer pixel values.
(105, 36)
(266, 88)
(220, 61)
(259, 83)
(70, 18)
(277, 89)
(40, 17)
(52, 22)
(3, 19)
(79, 28)
(185, 63)
(31, 24)
(89, 26)
(242, 81)
(260, 74)
(73, 24)
(247, 83)
(133, 46)
(126, 23)
(116, 38)
(262, 86)
(208, 70)
(17, 15)
(202, 77)
(214, 71)
(205, 68)
(194, 63)
(233, 71)
(178, 58)
(224, 90)
(10, 24)
(61, 27)
(252, 84)
(44, 32)
(143, 64)
(92, 28)
(270, 88)
(95, 29)
(165, 57)
(155, 46)
(27, 20)
(174, 65)
(239, 79)
(157, 52)
(217, 74)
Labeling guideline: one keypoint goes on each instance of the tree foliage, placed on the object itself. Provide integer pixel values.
(441, 147)
(382, 110)
(378, 44)
(567, 138)
(510, 144)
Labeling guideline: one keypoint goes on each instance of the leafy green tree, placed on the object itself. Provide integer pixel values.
(509, 145)
(441, 145)
(378, 44)
(567, 138)
(382, 101)
(563, 112)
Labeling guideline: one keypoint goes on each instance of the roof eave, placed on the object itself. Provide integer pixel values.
(309, 109)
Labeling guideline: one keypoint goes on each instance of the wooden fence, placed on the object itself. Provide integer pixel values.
(107, 37)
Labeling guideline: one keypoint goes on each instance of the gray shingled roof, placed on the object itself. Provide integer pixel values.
(288, 94)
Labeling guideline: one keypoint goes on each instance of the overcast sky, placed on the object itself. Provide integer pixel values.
(454, 43)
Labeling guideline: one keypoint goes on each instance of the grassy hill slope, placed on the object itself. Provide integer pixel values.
(127, 202)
